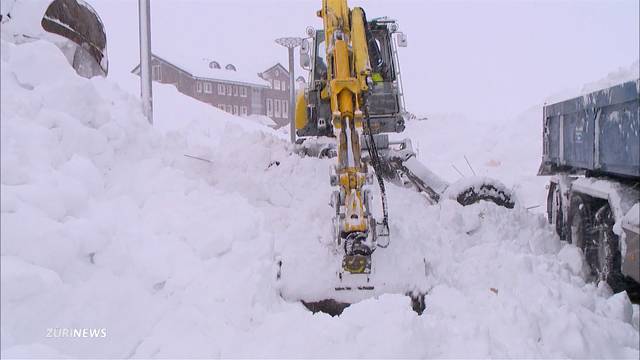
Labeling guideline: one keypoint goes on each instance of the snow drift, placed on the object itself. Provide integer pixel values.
(106, 224)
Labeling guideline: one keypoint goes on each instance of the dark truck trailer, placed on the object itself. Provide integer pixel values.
(591, 147)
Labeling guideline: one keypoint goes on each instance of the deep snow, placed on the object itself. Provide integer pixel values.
(106, 224)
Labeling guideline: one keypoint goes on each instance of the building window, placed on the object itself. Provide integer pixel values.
(221, 107)
(229, 90)
(269, 107)
(156, 74)
(220, 89)
(198, 86)
(285, 108)
(235, 109)
(284, 85)
(229, 108)
(243, 91)
(276, 84)
(208, 87)
(277, 112)
(235, 90)
(243, 110)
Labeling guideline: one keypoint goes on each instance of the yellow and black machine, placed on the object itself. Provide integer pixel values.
(354, 98)
(354, 93)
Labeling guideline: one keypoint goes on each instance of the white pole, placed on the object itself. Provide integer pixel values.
(145, 59)
(292, 97)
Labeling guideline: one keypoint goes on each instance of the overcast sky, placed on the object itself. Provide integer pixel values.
(485, 59)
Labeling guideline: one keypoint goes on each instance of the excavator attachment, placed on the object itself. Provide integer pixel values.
(72, 25)
(356, 264)
(327, 306)
(77, 21)
(332, 295)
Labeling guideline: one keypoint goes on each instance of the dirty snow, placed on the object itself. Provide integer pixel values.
(106, 224)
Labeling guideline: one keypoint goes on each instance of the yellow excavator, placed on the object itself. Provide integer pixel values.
(344, 79)
(354, 93)
(353, 99)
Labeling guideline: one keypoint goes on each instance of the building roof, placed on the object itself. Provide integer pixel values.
(276, 66)
(199, 68)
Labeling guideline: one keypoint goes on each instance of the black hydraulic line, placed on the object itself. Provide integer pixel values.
(376, 162)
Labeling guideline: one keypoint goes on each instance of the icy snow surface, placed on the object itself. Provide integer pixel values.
(106, 224)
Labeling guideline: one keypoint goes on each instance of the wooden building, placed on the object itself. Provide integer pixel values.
(242, 94)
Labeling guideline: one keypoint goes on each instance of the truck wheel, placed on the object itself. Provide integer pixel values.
(606, 257)
(579, 229)
(554, 210)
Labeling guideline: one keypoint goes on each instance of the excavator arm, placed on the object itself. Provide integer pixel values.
(348, 71)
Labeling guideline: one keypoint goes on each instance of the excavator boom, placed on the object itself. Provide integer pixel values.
(347, 70)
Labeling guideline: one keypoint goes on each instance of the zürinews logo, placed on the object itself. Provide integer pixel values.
(76, 333)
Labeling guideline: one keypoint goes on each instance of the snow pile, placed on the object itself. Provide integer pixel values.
(616, 77)
(508, 151)
(94, 201)
(105, 224)
(622, 74)
(262, 120)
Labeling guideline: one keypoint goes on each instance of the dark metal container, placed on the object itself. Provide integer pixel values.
(598, 132)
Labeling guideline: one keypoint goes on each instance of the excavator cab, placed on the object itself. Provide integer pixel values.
(383, 103)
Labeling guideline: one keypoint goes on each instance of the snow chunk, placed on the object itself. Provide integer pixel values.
(572, 256)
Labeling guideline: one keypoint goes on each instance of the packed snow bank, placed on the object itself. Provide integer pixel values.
(106, 225)
(622, 74)
(510, 151)
(90, 193)
(507, 151)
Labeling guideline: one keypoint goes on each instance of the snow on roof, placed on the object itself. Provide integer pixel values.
(199, 68)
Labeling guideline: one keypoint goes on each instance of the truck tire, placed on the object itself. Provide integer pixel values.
(579, 228)
(608, 259)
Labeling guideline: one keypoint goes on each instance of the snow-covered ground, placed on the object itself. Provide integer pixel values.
(106, 224)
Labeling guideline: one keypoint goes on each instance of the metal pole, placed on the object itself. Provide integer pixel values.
(145, 59)
(292, 98)
(291, 43)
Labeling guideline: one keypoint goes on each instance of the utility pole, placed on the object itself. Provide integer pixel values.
(145, 59)
(291, 43)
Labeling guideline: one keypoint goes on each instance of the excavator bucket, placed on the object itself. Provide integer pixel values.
(331, 294)
(79, 22)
